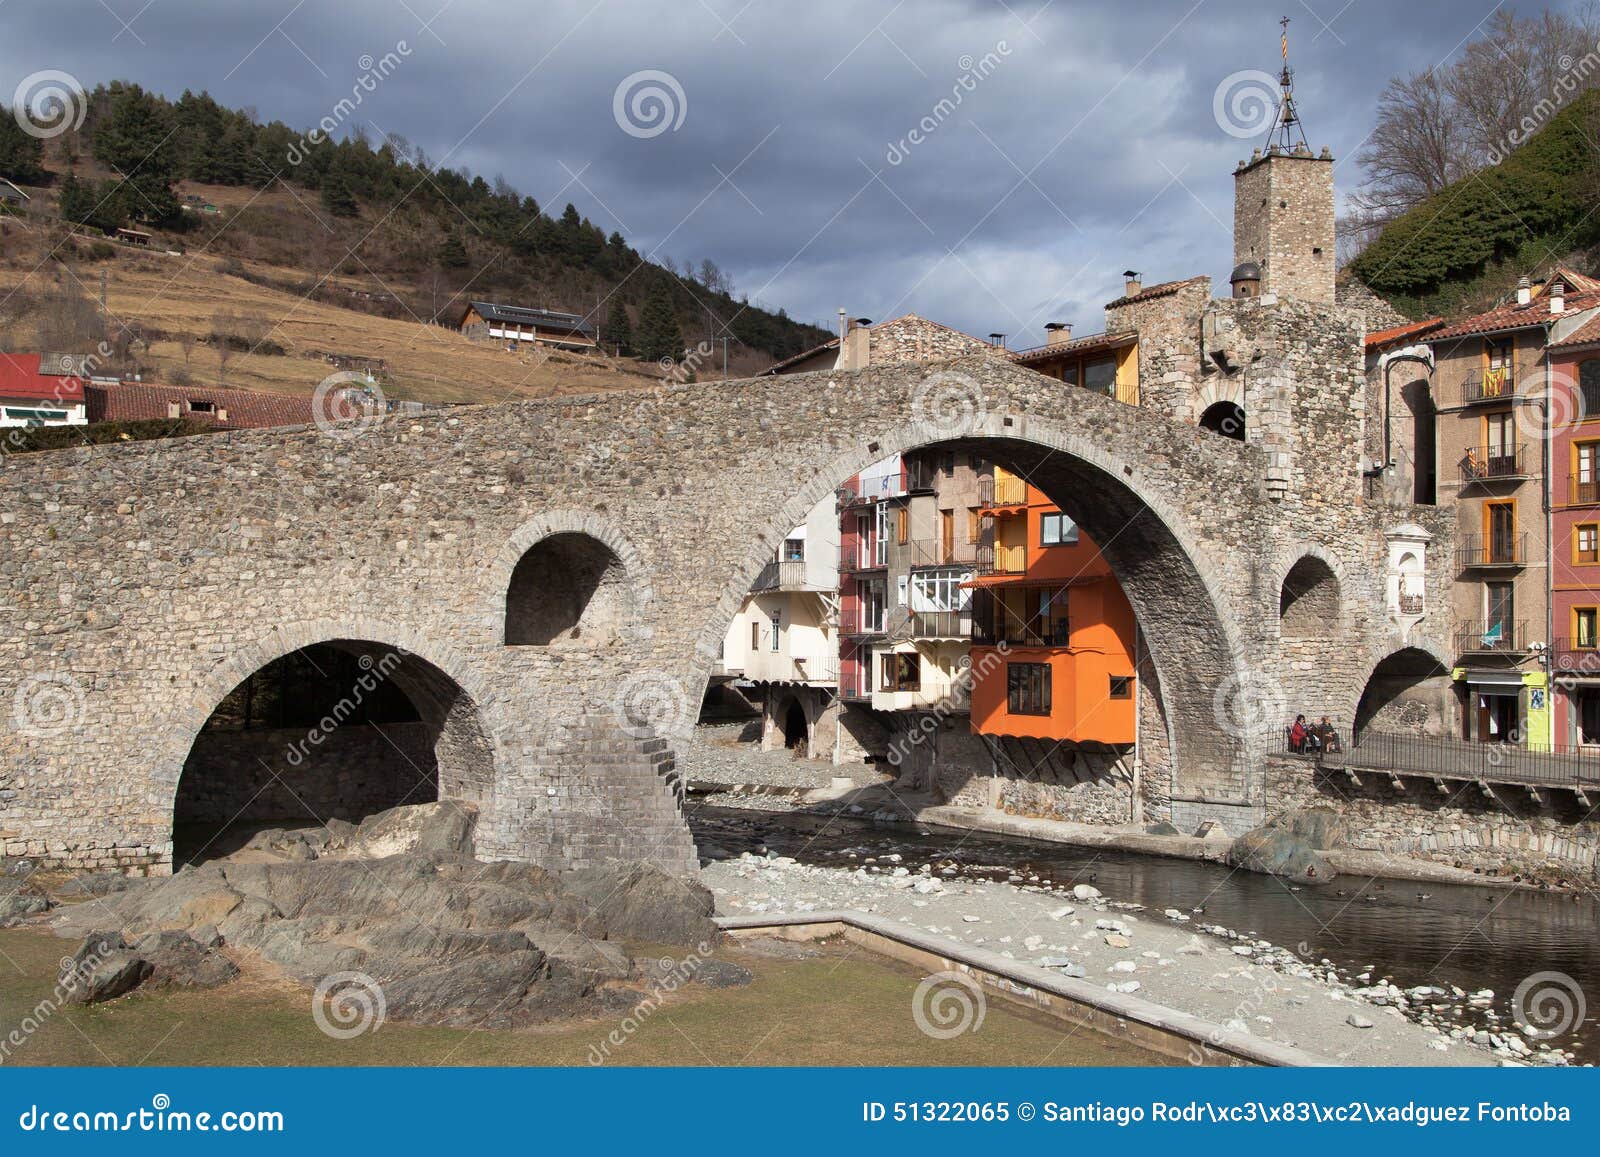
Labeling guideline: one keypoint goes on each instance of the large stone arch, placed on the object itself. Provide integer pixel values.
(1195, 645)
(1311, 592)
(1408, 690)
(435, 677)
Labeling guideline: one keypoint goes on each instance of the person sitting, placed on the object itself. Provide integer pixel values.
(1328, 735)
(1299, 735)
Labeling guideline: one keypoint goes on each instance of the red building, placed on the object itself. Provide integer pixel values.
(1575, 537)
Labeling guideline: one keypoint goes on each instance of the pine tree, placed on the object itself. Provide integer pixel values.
(21, 153)
(452, 253)
(135, 138)
(617, 332)
(337, 197)
(659, 335)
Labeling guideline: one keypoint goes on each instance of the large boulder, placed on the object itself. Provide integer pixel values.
(107, 966)
(1291, 844)
(640, 902)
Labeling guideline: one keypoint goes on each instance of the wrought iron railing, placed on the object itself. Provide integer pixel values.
(1490, 550)
(781, 574)
(1575, 656)
(1503, 637)
(1488, 463)
(1489, 385)
(1007, 490)
(1002, 559)
(937, 552)
(1511, 761)
(1582, 491)
(938, 624)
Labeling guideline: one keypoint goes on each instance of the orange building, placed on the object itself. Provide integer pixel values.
(1052, 632)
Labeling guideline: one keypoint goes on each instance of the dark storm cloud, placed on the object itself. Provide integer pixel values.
(1075, 140)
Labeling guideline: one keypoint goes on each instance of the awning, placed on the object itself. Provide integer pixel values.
(1024, 580)
(1505, 679)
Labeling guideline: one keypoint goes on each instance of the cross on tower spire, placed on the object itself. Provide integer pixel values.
(1287, 131)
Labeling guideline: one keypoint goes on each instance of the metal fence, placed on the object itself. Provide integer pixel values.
(1441, 758)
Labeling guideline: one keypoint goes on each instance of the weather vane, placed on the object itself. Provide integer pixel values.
(1287, 132)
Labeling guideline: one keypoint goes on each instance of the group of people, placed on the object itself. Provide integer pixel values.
(1310, 738)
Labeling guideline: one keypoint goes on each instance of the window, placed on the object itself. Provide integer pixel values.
(974, 524)
(199, 407)
(1028, 688)
(1586, 471)
(870, 598)
(1589, 388)
(1057, 530)
(1586, 628)
(880, 535)
(939, 590)
(755, 634)
(1499, 434)
(794, 550)
(901, 671)
(902, 525)
(1499, 608)
(1588, 713)
(1500, 525)
(777, 627)
(1586, 542)
(34, 417)
(1121, 687)
(1101, 376)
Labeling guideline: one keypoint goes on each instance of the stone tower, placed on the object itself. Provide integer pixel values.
(1283, 222)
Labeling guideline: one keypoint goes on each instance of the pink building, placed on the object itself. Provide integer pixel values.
(1575, 537)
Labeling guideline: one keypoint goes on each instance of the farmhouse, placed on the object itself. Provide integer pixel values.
(518, 324)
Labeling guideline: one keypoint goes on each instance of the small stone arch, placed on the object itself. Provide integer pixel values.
(1225, 418)
(1309, 603)
(1410, 691)
(570, 577)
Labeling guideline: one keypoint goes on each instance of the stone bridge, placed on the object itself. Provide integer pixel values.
(550, 582)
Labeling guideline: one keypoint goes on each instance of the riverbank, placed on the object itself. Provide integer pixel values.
(1173, 958)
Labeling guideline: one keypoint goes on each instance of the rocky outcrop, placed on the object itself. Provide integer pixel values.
(400, 899)
(1291, 844)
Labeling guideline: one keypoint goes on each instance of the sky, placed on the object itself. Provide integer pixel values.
(803, 146)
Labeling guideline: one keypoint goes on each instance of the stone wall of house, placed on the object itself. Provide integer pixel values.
(271, 774)
(1065, 781)
(1507, 830)
(916, 339)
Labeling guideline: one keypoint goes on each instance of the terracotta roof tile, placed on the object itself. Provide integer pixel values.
(1164, 289)
(1395, 333)
(230, 409)
(1586, 334)
(1086, 344)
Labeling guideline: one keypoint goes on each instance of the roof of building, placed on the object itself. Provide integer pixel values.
(1150, 292)
(20, 378)
(1586, 334)
(1582, 293)
(244, 409)
(1089, 343)
(833, 343)
(1383, 337)
(13, 187)
(520, 315)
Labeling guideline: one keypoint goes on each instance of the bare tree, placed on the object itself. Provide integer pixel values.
(186, 345)
(1417, 147)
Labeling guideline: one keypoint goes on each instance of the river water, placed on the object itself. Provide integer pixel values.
(1409, 933)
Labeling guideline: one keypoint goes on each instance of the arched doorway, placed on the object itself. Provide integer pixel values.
(1409, 692)
(335, 730)
(796, 730)
(1225, 418)
(567, 588)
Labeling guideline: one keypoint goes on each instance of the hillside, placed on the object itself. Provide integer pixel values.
(1465, 247)
(291, 254)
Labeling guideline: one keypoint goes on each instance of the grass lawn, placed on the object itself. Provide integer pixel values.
(840, 1007)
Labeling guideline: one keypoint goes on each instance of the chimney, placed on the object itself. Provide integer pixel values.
(1057, 333)
(998, 340)
(1558, 297)
(855, 347)
(1524, 290)
(1130, 282)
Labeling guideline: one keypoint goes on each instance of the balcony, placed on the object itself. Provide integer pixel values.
(854, 559)
(1575, 657)
(1482, 386)
(936, 552)
(1483, 552)
(1002, 559)
(938, 625)
(1013, 633)
(766, 667)
(781, 575)
(1007, 490)
(1493, 463)
(865, 627)
(919, 476)
(1501, 638)
(1411, 604)
(1582, 491)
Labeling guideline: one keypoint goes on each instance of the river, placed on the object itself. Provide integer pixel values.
(1405, 932)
